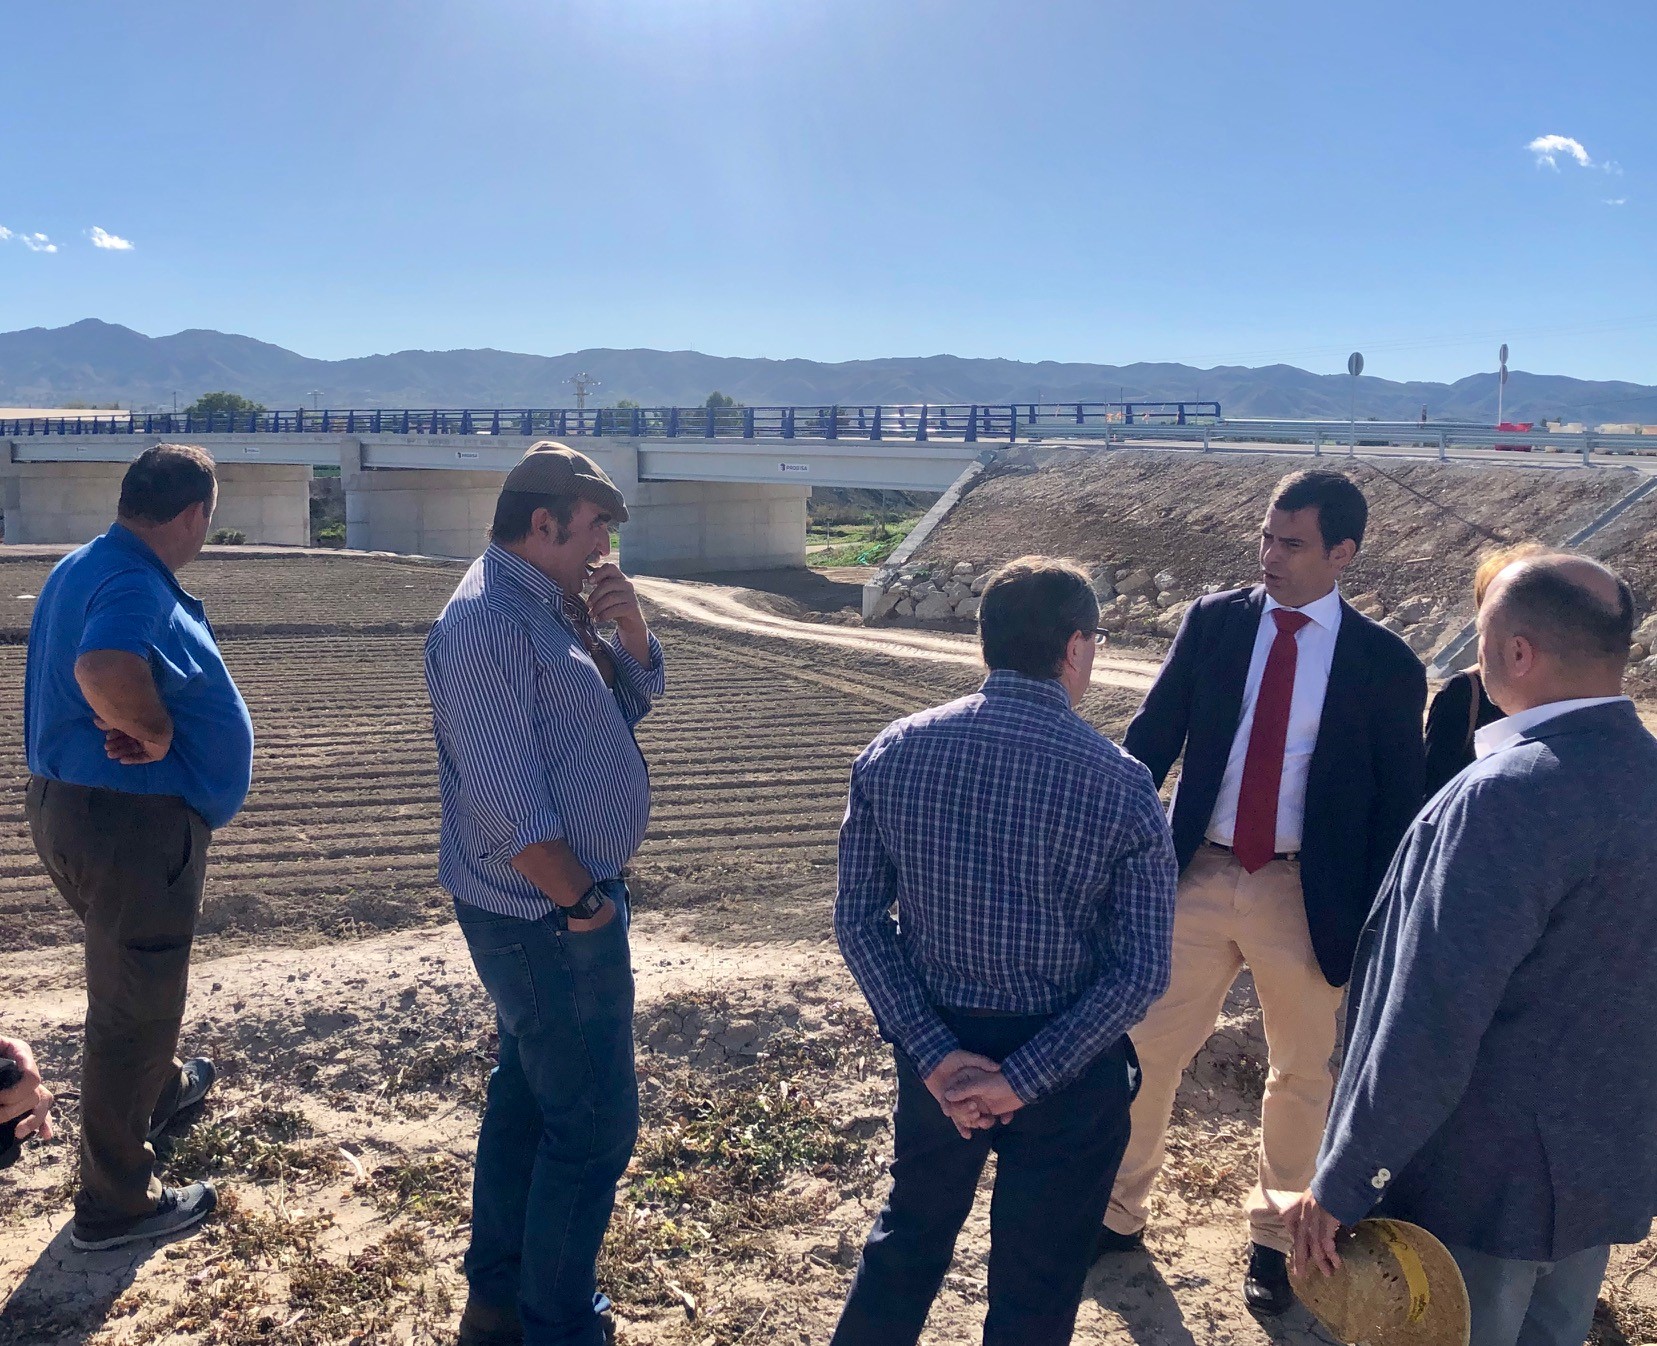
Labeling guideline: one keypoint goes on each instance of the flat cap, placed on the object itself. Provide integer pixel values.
(551, 468)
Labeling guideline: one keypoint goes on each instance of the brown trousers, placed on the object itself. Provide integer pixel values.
(131, 866)
(1223, 918)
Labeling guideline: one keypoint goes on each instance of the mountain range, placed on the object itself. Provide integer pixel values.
(97, 362)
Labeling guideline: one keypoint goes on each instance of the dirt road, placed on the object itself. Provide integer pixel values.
(711, 605)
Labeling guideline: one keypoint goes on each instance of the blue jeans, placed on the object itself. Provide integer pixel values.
(561, 1118)
(1055, 1163)
(1532, 1303)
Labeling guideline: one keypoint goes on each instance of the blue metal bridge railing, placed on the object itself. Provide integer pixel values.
(959, 421)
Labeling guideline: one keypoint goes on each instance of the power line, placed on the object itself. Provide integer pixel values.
(583, 383)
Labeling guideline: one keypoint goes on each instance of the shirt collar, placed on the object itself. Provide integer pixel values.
(1007, 682)
(1499, 734)
(510, 566)
(128, 541)
(1325, 611)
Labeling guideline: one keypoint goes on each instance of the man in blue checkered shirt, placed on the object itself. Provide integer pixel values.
(1033, 875)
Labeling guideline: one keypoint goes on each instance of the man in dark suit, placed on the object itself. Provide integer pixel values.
(1500, 1081)
(1300, 722)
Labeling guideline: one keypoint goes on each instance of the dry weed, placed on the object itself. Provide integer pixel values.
(1209, 1162)
(723, 1168)
(451, 1063)
(255, 1139)
(239, 1233)
(434, 1189)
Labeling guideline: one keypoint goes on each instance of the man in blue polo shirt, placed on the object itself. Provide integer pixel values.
(139, 745)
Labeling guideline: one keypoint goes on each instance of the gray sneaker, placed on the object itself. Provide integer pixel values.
(178, 1209)
(196, 1079)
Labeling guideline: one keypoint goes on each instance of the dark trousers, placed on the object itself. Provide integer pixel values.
(561, 1118)
(131, 866)
(1055, 1162)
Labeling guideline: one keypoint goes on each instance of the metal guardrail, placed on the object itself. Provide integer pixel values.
(963, 421)
(1335, 436)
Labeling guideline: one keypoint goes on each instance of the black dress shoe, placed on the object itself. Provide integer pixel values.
(1266, 1288)
(1109, 1241)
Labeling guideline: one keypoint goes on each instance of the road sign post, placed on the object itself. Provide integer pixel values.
(1354, 367)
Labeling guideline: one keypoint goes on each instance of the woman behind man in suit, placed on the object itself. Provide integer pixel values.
(1462, 706)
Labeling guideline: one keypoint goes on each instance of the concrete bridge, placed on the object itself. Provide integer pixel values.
(691, 506)
(706, 490)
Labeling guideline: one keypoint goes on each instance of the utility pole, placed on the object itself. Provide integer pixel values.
(1354, 367)
(583, 383)
(1501, 381)
(316, 399)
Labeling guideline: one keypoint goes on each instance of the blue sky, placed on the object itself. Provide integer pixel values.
(1202, 182)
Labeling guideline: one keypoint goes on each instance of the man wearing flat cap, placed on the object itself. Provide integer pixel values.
(545, 800)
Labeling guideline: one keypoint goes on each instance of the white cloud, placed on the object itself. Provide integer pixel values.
(1547, 150)
(37, 243)
(109, 242)
(1616, 200)
(5, 233)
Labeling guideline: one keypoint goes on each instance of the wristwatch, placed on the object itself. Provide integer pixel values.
(587, 906)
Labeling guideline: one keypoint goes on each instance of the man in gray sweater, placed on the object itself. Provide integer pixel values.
(1500, 1082)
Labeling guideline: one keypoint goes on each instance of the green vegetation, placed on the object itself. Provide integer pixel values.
(866, 543)
(227, 537)
(718, 401)
(220, 404)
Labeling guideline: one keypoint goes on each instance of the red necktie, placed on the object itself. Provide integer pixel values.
(1254, 840)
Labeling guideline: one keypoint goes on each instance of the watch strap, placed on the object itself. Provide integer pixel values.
(588, 906)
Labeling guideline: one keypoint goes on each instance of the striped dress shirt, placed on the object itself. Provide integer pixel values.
(532, 745)
(1032, 870)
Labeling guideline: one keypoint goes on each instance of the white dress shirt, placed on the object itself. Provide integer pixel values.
(1499, 734)
(1314, 655)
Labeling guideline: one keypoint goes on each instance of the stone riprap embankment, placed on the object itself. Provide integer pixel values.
(1135, 599)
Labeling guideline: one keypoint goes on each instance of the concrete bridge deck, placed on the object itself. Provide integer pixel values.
(693, 504)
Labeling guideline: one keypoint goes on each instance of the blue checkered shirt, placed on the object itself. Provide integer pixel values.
(531, 744)
(1032, 870)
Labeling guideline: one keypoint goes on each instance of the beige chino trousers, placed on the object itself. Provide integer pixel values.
(1224, 918)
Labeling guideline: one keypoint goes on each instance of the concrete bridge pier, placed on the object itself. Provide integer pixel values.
(417, 511)
(55, 502)
(271, 504)
(686, 527)
(58, 502)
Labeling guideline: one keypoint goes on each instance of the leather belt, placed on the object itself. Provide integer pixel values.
(1280, 855)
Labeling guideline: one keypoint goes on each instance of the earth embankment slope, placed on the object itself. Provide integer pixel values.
(1195, 515)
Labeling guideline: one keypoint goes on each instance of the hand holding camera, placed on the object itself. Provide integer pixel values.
(25, 1103)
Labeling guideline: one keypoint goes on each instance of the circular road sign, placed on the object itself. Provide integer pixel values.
(1501, 355)
(1355, 364)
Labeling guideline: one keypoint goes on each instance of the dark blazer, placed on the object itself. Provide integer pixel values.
(1500, 1082)
(1451, 723)
(1365, 780)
